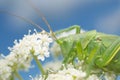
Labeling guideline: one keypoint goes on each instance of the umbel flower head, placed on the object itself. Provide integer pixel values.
(39, 42)
(20, 54)
(5, 70)
(70, 72)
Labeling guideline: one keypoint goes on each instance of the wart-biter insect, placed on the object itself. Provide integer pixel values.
(97, 50)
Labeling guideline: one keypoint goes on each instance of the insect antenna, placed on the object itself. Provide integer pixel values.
(22, 18)
(43, 18)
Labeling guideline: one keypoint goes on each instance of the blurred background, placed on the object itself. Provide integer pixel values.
(102, 15)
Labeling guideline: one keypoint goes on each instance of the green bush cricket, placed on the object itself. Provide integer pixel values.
(97, 50)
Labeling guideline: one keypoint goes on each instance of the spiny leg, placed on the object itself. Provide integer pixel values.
(109, 54)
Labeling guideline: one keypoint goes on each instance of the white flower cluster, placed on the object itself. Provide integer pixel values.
(19, 61)
(38, 77)
(67, 74)
(5, 69)
(20, 56)
(71, 73)
(49, 65)
(39, 42)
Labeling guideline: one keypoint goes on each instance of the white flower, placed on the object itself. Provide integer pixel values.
(55, 49)
(69, 73)
(20, 57)
(110, 76)
(5, 70)
(39, 42)
(75, 74)
(59, 77)
(38, 77)
(93, 77)
(19, 61)
(49, 65)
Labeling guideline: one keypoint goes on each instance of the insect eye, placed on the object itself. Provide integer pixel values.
(38, 39)
(98, 39)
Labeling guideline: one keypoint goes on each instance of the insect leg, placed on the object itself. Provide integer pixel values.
(87, 38)
(109, 54)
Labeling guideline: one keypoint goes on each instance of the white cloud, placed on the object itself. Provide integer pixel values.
(49, 7)
(109, 23)
(62, 6)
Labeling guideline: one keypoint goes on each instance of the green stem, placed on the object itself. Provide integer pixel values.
(38, 63)
(12, 77)
(18, 75)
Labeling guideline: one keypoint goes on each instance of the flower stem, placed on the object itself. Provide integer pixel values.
(38, 63)
(12, 77)
(18, 75)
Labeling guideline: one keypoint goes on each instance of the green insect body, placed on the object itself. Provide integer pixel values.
(98, 50)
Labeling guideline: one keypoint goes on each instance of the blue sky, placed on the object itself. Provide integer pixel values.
(102, 15)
